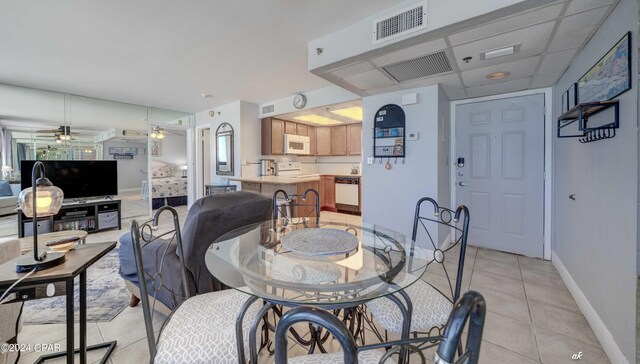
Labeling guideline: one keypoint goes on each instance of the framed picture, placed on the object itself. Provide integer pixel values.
(610, 76)
(572, 96)
(565, 101)
(155, 148)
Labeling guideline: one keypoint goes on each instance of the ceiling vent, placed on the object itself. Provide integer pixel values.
(424, 66)
(399, 23)
(268, 109)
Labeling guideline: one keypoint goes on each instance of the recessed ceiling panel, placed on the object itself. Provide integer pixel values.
(499, 88)
(545, 80)
(574, 30)
(353, 69)
(410, 52)
(576, 6)
(556, 62)
(506, 24)
(532, 40)
(369, 80)
(518, 69)
(450, 81)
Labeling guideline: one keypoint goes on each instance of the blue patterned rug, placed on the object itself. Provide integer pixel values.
(107, 296)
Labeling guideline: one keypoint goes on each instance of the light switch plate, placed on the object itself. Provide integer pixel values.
(369, 160)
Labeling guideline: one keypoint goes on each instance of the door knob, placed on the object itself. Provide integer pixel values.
(463, 184)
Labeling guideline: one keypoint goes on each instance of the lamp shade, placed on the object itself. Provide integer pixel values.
(183, 168)
(7, 169)
(48, 199)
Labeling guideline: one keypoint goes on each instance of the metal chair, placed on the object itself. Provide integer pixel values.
(202, 329)
(470, 308)
(431, 300)
(296, 209)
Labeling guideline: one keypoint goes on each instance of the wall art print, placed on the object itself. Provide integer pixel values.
(610, 76)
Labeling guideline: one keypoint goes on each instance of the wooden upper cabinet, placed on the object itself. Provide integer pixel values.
(290, 127)
(272, 136)
(311, 133)
(303, 130)
(339, 140)
(354, 142)
(323, 140)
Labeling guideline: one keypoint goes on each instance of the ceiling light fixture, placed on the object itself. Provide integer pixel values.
(498, 75)
(353, 113)
(500, 52)
(317, 119)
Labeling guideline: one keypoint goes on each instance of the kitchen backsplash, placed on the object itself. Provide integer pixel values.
(311, 165)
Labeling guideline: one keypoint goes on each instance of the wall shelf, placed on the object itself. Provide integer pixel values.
(575, 122)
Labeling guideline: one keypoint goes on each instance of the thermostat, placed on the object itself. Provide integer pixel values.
(412, 135)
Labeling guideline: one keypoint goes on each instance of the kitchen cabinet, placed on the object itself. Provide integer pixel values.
(354, 139)
(339, 140)
(303, 130)
(306, 211)
(272, 136)
(327, 192)
(290, 127)
(323, 141)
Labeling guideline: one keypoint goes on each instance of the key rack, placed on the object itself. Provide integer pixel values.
(579, 115)
(389, 137)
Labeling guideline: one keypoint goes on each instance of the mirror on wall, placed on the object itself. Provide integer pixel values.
(224, 150)
(45, 125)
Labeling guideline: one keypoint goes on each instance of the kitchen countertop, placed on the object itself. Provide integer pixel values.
(285, 180)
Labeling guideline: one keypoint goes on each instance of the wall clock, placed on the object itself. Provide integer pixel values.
(299, 101)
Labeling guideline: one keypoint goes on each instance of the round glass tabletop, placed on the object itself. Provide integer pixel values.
(331, 263)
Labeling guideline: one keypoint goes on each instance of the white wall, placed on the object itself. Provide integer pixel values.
(129, 171)
(323, 96)
(389, 196)
(595, 237)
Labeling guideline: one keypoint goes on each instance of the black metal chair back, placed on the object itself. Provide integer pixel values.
(449, 220)
(298, 208)
(471, 309)
(151, 281)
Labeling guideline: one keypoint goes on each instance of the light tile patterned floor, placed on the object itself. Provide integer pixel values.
(531, 317)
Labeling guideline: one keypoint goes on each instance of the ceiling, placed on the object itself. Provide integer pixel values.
(166, 54)
(546, 38)
(324, 111)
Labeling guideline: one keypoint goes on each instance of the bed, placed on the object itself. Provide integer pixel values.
(165, 188)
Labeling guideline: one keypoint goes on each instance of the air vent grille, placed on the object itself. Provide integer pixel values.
(424, 66)
(268, 109)
(399, 24)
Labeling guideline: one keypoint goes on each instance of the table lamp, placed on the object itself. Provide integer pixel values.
(40, 200)
(184, 171)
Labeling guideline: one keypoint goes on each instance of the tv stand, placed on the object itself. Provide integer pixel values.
(91, 216)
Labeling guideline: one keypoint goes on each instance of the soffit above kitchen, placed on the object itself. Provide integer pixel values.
(343, 113)
(514, 46)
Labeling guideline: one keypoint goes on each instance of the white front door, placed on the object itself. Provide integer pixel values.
(502, 179)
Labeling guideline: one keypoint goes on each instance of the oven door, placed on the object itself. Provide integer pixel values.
(296, 144)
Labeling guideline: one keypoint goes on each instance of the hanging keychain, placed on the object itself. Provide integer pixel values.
(387, 166)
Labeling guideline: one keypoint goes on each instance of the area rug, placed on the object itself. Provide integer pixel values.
(107, 296)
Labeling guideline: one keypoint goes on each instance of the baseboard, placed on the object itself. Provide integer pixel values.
(607, 341)
(129, 189)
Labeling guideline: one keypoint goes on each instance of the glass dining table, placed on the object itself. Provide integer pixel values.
(329, 265)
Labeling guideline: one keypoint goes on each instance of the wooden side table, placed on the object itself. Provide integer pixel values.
(34, 286)
(26, 243)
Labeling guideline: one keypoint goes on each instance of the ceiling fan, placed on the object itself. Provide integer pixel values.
(61, 134)
(158, 132)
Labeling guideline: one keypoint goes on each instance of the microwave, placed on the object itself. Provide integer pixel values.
(297, 144)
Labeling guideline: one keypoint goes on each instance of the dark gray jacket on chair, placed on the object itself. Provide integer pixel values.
(208, 219)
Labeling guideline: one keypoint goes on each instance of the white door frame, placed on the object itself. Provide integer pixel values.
(549, 132)
(198, 177)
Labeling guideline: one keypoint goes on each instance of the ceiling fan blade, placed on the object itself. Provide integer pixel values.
(48, 131)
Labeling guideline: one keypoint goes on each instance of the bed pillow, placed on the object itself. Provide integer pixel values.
(161, 171)
(5, 189)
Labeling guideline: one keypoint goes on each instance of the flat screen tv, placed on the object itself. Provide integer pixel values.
(77, 179)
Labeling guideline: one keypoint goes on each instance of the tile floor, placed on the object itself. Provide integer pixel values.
(531, 317)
